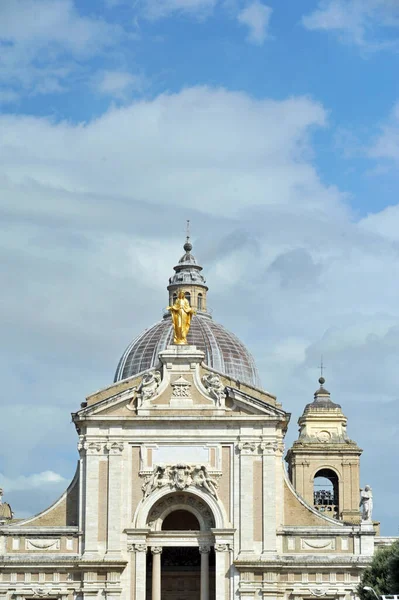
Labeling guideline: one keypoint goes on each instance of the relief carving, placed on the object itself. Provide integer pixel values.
(181, 388)
(179, 477)
(318, 544)
(42, 544)
(44, 592)
(318, 591)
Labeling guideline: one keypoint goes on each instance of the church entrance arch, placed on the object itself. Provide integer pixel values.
(181, 561)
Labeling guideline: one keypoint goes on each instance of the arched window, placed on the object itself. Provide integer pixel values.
(188, 296)
(174, 297)
(199, 303)
(326, 493)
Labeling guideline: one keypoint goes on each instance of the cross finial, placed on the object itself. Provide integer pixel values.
(322, 367)
(188, 229)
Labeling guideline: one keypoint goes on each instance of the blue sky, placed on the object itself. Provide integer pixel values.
(274, 127)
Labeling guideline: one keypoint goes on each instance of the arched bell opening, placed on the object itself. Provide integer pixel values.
(326, 492)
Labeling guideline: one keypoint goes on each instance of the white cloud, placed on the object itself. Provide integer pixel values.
(36, 480)
(386, 145)
(118, 84)
(361, 22)
(157, 9)
(92, 222)
(256, 16)
(41, 40)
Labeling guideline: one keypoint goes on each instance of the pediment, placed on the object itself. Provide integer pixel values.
(182, 394)
(241, 402)
(181, 385)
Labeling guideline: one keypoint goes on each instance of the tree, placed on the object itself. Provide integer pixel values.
(393, 578)
(383, 573)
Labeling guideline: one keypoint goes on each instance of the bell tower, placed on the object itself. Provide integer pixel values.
(323, 463)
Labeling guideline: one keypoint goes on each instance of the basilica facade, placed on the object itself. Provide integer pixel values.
(181, 490)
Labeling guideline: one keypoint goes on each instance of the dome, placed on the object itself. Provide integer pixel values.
(223, 350)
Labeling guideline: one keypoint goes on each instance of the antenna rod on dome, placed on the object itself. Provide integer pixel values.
(188, 229)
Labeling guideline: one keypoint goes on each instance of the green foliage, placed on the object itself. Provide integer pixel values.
(383, 573)
(393, 578)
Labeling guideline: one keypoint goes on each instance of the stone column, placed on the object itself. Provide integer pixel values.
(114, 497)
(156, 572)
(204, 551)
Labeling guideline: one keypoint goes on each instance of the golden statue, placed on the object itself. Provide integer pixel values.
(181, 313)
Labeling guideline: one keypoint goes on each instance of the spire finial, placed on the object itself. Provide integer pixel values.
(188, 246)
(321, 378)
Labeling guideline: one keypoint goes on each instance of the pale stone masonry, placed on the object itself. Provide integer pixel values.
(181, 489)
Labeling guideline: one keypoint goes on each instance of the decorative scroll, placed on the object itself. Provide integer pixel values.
(215, 388)
(179, 477)
(146, 389)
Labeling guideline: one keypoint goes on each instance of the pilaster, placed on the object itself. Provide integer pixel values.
(115, 450)
(94, 451)
(247, 449)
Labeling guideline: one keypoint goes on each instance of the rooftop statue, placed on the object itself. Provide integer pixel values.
(182, 313)
(5, 509)
(366, 503)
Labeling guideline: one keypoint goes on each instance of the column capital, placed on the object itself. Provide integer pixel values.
(268, 447)
(247, 447)
(156, 549)
(204, 549)
(137, 547)
(223, 547)
(115, 448)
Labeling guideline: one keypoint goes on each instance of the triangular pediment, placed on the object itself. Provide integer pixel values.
(181, 385)
(240, 401)
(178, 395)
